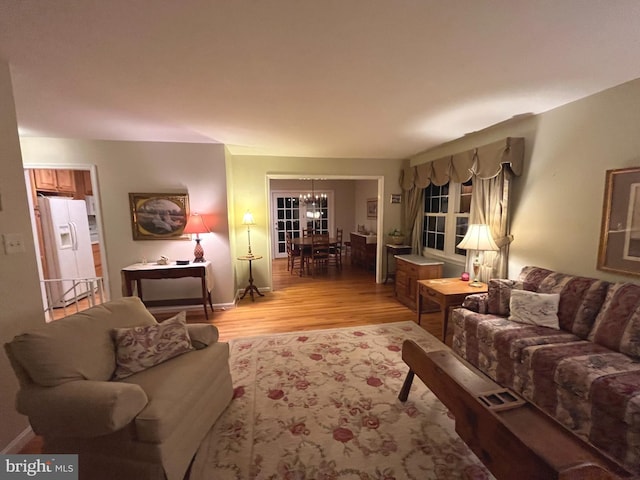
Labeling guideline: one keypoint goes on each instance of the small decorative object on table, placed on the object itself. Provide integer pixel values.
(464, 277)
(396, 237)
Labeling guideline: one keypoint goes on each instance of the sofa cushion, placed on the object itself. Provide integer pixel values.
(174, 387)
(532, 308)
(617, 326)
(139, 348)
(499, 295)
(581, 298)
(78, 347)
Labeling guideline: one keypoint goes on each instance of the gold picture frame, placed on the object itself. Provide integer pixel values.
(159, 216)
(619, 249)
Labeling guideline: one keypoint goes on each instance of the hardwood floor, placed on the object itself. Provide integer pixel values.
(331, 299)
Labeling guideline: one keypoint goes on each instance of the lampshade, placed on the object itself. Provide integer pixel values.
(248, 219)
(195, 224)
(478, 237)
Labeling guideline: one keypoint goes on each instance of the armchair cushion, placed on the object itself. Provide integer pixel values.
(139, 348)
(82, 408)
(202, 334)
(78, 347)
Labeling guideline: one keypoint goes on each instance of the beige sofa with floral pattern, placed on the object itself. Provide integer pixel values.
(584, 371)
(147, 425)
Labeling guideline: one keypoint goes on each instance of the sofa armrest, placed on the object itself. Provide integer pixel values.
(202, 334)
(81, 408)
(477, 302)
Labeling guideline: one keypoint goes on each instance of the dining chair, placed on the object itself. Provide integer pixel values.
(319, 251)
(293, 252)
(335, 250)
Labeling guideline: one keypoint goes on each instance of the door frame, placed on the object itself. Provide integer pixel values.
(308, 176)
(93, 170)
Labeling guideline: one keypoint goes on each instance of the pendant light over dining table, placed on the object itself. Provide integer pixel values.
(312, 202)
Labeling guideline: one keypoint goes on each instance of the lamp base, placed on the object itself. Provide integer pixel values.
(198, 252)
(475, 284)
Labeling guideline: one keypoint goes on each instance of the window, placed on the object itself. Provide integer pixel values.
(446, 212)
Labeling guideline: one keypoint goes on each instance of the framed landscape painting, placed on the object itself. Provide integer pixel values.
(158, 216)
(372, 208)
(619, 250)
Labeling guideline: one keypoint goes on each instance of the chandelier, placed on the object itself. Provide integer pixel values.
(313, 202)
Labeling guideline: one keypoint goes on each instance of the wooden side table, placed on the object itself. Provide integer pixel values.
(251, 287)
(394, 250)
(446, 292)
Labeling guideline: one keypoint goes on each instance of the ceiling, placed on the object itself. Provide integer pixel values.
(315, 78)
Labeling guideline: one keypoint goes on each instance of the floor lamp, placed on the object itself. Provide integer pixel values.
(479, 239)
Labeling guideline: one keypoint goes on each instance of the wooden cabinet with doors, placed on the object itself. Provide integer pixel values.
(363, 251)
(410, 269)
(54, 180)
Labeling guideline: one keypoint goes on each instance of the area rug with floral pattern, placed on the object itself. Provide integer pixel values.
(324, 404)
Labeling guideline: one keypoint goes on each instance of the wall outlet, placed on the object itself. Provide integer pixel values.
(13, 243)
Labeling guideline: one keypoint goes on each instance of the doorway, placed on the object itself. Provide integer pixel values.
(67, 182)
(349, 200)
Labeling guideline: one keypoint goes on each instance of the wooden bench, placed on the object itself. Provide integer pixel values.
(511, 436)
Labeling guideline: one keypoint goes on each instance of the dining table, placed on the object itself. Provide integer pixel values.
(304, 244)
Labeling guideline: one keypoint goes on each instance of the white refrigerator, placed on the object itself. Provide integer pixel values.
(67, 242)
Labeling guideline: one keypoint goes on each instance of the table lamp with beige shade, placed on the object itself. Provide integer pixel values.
(478, 238)
(248, 220)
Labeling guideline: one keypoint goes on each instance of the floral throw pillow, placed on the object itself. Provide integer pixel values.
(535, 308)
(499, 295)
(139, 348)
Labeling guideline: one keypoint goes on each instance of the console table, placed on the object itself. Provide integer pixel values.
(152, 271)
(511, 436)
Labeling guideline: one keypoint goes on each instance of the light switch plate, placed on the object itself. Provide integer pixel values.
(13, 243)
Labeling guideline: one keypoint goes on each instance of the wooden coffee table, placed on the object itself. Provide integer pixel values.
(446, 292)
(511, 436)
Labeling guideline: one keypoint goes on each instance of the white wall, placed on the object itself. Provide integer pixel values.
(557, 202)
(151, 167)
(20, 302)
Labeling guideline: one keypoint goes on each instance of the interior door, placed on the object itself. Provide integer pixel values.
(286, 212)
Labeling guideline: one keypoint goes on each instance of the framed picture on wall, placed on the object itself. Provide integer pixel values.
(619, 250)
(158, 216)
(372, 208)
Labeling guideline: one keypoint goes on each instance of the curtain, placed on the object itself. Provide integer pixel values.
(490, 205)
(413, 205)
(492, 168)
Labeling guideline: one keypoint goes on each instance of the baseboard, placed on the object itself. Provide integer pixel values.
(19, 442)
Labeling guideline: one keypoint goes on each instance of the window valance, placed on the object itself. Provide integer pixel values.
(483, 162)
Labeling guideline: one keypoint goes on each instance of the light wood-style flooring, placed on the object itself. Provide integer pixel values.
(331, 299)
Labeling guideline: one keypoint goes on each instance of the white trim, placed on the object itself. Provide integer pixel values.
(19, 442)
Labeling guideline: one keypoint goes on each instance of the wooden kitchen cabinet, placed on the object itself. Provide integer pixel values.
(54, 180)
(410, 269)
